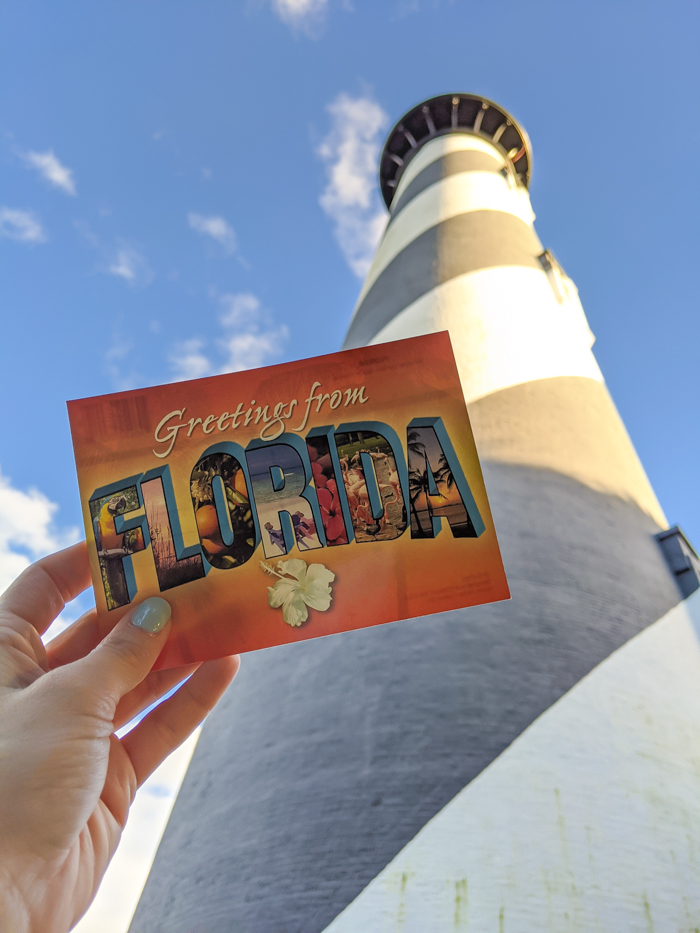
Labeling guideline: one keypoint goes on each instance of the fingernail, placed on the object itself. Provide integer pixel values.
(151, 615)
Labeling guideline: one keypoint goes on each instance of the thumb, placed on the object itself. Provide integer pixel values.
(122, 660)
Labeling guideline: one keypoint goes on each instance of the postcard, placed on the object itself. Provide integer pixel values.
(280, 504)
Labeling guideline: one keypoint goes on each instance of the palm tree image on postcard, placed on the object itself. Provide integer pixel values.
(289, 502)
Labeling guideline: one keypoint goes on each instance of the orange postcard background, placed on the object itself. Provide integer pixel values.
(375, 582)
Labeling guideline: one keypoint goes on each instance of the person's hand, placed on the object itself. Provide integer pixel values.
(66, 780)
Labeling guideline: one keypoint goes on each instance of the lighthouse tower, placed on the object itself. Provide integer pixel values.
(519, 767)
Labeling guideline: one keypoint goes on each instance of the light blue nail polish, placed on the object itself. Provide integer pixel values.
(151, 615)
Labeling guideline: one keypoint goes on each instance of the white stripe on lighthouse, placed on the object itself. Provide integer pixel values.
(506, 327)
(588, 821)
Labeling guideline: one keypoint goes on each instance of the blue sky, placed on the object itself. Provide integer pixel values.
(190, 186)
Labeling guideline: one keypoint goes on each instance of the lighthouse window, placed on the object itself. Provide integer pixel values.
(555, 274)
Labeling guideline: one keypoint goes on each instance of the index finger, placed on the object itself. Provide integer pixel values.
(40, 592)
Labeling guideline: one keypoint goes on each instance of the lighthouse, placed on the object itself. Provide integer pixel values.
(516, 767)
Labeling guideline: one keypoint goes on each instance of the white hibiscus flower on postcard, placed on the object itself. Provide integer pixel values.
(298, 588)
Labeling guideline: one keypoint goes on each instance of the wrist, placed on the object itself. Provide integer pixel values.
(15, 901)
(14, 915)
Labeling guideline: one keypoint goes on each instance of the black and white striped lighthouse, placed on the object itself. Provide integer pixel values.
(518, 767)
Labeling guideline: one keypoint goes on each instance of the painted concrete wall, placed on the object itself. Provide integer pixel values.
(327, 759)
(588, 821)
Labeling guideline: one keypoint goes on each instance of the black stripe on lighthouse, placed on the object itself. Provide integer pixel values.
(454, 163)
(461, 244)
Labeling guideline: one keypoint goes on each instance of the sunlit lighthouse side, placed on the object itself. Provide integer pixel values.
(522, 766)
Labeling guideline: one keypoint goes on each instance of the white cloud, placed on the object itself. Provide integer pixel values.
(249, 338)
(350, 198)
(130, 265)
(23, 226)
(247, 351)
(116, 357)
(49, 167)
(300, 13)
(188, 361)
(87, 233)
(27, 530)
(215, 227)
(241, 309)
(121, 260)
